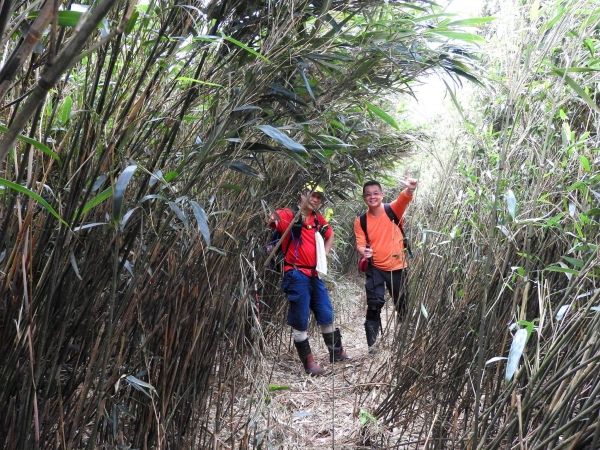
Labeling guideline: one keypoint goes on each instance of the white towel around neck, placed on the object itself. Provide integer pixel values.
(321, 255)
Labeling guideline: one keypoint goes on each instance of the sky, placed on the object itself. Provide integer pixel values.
(432, 94)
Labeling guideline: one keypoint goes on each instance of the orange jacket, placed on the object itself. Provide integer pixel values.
(384, 235)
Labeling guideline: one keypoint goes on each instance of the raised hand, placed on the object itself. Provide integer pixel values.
(410, 183)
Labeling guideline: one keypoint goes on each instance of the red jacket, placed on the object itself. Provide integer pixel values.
(300, 253)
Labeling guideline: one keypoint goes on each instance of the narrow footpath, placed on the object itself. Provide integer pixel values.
(333, 410)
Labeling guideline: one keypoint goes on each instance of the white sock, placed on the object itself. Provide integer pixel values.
(327, 328)
(299, 336)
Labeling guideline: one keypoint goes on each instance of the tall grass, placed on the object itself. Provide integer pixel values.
(509, 254)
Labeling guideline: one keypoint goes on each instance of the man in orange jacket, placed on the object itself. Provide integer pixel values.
(383, 246)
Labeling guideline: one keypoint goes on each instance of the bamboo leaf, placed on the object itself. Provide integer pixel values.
(43, 148)
(563, 269)
(128, 267)
(140, 385)
(193, 80)
(288, 94)
(533, 12)
(97, 200)
(217, 250)
(245, 47)
(560, 314)
(578, 89)
(131, 23)
(126, 217)
(529, 326)
(548, 25)
(247, 108)
(152, 197)
(171, 176)
(472, 22)
(383, 115)
(576, 262)
(585, 163)
(515, 353)
(243, 168)
(495, 359)
(177, 210)
(99, 182)
(74, 265)
(593, 212)
(67, 18)
(282, 138)
(306, 84)
(511, 203)
(467, 37)
(120, 188)
(202, 220)
(424, 311)
(33, 195)
(273, 387)
(457, 105)
(65, 110)
(89, 225)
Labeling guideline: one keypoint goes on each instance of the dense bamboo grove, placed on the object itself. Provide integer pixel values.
(143, 147)
(509, 251)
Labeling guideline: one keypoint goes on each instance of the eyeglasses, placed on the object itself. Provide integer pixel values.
(371, 194)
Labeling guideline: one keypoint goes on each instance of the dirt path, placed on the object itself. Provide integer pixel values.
(334, 410)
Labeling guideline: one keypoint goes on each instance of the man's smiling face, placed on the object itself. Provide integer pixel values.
(373, 196)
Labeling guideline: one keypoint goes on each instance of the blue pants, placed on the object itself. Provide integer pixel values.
(376, 282)
(306, 293)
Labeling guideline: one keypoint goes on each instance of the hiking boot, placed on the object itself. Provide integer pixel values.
(305, 354)
(333, 341)
(372, 330)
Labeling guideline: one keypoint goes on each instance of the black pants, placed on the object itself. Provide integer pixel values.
(376, 282)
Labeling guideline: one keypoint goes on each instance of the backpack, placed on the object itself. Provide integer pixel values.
(392, 216)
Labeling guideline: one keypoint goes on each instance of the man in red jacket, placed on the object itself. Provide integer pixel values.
(303, 288)
(385, 252)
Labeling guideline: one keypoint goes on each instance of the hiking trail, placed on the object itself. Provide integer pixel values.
(334, 410)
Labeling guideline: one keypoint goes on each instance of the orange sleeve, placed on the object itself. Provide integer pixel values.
(399, 205)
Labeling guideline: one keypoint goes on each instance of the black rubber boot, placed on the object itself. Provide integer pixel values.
(372, 330)
(333, 341)
(305, 354)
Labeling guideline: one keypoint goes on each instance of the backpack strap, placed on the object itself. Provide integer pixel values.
(363, 225)
(392, 215)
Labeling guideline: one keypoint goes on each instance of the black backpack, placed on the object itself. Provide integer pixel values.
(392, 216)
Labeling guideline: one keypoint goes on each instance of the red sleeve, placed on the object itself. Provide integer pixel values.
(323, 223)
(282, 219)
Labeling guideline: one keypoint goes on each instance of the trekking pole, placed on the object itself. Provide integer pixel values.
(256, 298)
